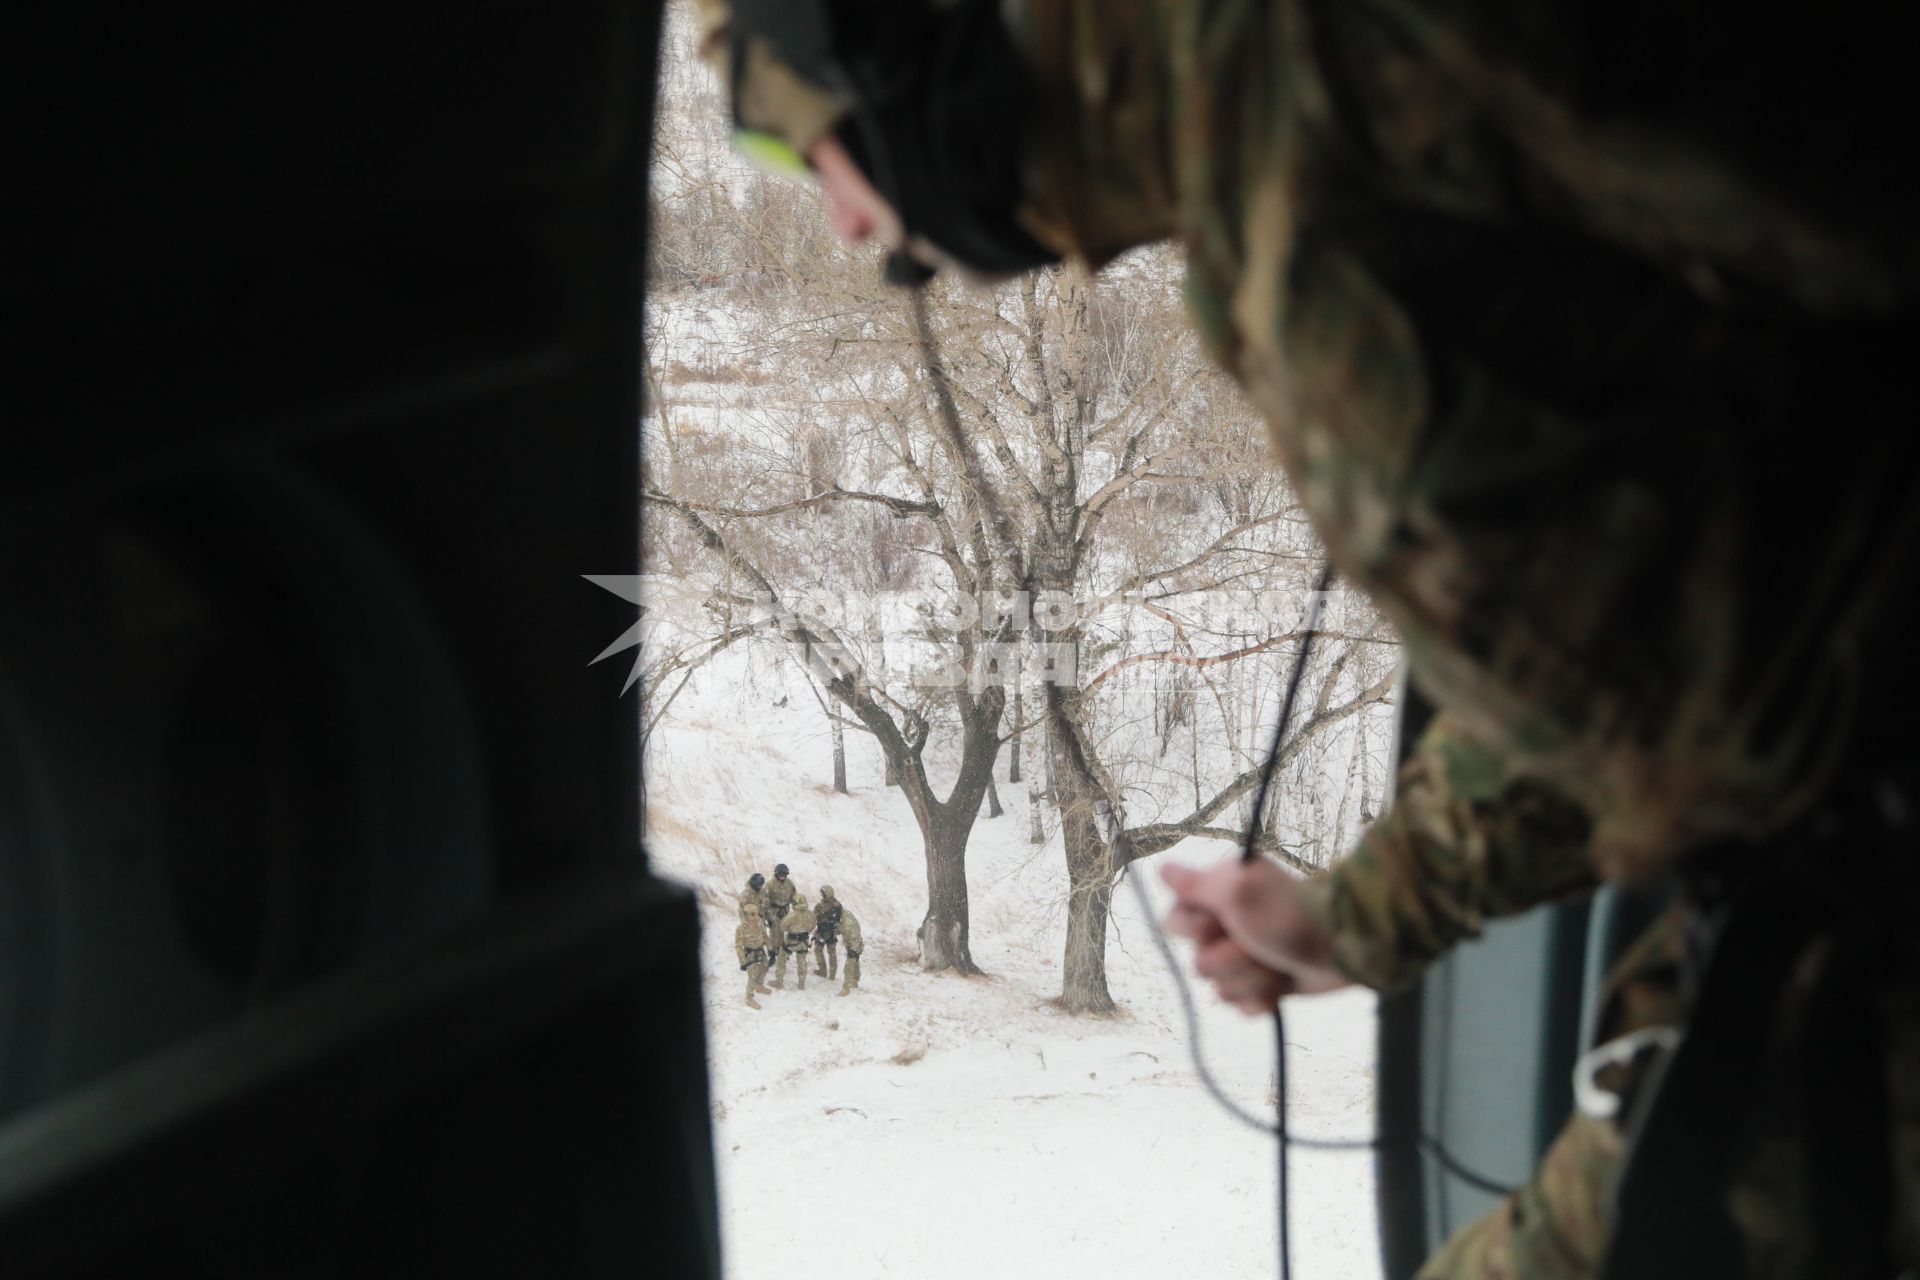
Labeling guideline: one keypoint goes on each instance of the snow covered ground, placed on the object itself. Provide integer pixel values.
(933, 1126)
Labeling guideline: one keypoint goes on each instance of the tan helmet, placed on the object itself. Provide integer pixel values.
(826, 891)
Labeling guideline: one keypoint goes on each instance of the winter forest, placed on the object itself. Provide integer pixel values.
(843, 499)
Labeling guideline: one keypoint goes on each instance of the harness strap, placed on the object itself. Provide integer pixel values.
(1757, 919)
(1849, 1192)
(1672, 1205)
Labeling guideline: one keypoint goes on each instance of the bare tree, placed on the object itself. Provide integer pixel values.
(1126, 467)
(810, 433)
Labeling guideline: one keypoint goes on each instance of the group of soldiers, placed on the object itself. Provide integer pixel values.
(776, 922)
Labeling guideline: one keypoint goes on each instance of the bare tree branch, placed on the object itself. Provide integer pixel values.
(899, 507)
(1296, 742)
(1158, 837)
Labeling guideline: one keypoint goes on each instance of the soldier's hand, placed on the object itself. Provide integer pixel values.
(1254, 941)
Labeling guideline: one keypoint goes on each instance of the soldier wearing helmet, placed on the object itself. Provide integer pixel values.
(914, 125)
(796, 930)
(850, 934)
(780, 892)
(755, 895)
(826, 934)
(750, 945)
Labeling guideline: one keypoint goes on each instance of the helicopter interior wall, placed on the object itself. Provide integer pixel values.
(311, 807)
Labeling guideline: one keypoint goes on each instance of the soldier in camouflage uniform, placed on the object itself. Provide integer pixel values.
(796, 931)
(755, 895)
(826, 945)
(850, 934)
(750, 944)
(1574, 335)
(779, 899)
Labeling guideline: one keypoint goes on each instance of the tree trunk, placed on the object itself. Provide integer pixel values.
(1193, 741)
(1366, 773)
(993, 801)
(1340, 814)
(893, 771)
(1083, 983)
(945, 938)
(945, 931)
(839, 757)
(1090, 896)
(1053, 788)
(1013, 769)
(1037, 794)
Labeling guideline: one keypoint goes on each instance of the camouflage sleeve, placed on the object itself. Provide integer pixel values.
(1465, 842)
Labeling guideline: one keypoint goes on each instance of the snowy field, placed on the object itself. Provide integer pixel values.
(938, 1127)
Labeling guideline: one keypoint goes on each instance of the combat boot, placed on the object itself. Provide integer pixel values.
(752, 1003)
(764, 990)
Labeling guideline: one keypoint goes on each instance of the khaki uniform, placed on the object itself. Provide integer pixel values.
(750, 945)
(1547, 351)
(826, 936)
(797, 929)
(850, 934)
(780, 893)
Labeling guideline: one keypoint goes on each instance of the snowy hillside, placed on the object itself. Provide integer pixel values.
(936, 1126)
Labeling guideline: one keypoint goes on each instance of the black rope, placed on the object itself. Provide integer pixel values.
(1426, 1143)
(1279, 1129)
(1322, 584)
(1247, 855)
(1283, 1147)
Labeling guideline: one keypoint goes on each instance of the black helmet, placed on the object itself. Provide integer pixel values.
(781, 871)
(938, 104)
(755, 880)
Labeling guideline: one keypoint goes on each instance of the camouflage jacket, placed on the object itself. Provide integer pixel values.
(850, 931)
(800, 920)
(1539, 346)
(780, 893)
(749, 934)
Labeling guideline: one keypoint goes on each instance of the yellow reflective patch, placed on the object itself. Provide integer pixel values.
(773, 154)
